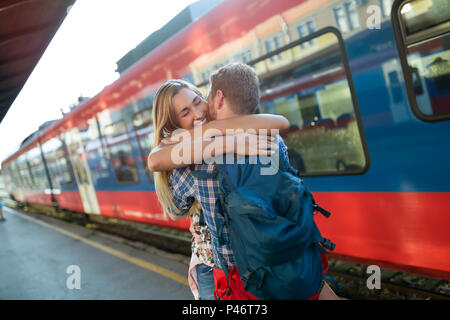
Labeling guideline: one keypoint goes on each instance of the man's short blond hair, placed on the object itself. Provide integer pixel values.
(239, 84)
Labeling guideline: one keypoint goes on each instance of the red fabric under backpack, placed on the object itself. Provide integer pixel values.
(235, 290)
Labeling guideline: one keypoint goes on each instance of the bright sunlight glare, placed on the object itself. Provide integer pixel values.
(81, 60)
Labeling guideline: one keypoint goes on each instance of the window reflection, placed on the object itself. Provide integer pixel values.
(143, 126)
(346, 16)
(37, 168)
(122, 158)
(314, 95)
(426, 26)
(56, 157)
(421, 15)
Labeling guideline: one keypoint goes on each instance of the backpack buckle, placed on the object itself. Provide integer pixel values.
(328, 244)
(326, 213)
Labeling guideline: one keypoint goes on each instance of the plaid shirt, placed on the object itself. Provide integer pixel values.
(185, 189)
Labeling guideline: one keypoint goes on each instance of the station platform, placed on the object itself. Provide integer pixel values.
(43, 258)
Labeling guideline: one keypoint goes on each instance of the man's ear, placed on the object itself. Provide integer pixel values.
(219, 99)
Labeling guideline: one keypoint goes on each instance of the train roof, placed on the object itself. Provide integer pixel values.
(184, 18)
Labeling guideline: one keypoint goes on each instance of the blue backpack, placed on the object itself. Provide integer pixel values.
(275, 240)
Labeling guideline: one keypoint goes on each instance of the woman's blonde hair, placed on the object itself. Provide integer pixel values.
(165, 123)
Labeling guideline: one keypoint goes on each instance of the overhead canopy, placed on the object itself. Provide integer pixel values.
(26, 29)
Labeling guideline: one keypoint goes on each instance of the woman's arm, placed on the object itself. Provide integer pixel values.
(250, 121)
(169, 157)
(245, 122)
(166, 157)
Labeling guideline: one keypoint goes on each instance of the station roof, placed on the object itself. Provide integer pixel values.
(26, 29)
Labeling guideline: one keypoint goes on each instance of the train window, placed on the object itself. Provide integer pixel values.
(16, 174)
(143, 126)
(37, 168)
(121, 153)
(6, 175)
(56, 157)
(96, 151)
(13, 179)
(24, 172)
(315, 93)
(423, 40)
(8, 179)
(17, 177)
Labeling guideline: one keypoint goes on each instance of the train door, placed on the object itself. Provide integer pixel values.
(82, 172)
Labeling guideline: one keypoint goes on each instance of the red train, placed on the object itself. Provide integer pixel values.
(368, 104)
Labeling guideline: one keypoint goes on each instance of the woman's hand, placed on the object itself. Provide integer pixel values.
(248, 144)
(177, 136)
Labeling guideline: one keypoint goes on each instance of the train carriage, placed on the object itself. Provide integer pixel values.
(364, 84)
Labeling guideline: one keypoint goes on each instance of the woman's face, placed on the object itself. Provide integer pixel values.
(189, 107)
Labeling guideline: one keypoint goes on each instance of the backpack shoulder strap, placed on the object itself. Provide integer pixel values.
(324, 243)
(287, 166)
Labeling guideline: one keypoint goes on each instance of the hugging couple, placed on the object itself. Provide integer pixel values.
(230, 107)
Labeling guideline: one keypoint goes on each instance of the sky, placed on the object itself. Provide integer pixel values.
(81, 60)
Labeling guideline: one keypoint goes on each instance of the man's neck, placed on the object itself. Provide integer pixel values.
(226, 114)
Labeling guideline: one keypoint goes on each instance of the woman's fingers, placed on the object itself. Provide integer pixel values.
(167, 142)
(177, 136)
(266, 148)
(173, 139)
(251, 144)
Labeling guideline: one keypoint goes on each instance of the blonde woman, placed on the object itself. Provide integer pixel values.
(178, 104)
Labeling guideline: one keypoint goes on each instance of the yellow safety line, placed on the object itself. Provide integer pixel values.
(144, 264)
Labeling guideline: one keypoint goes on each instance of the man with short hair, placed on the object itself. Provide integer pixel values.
(239, 84)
